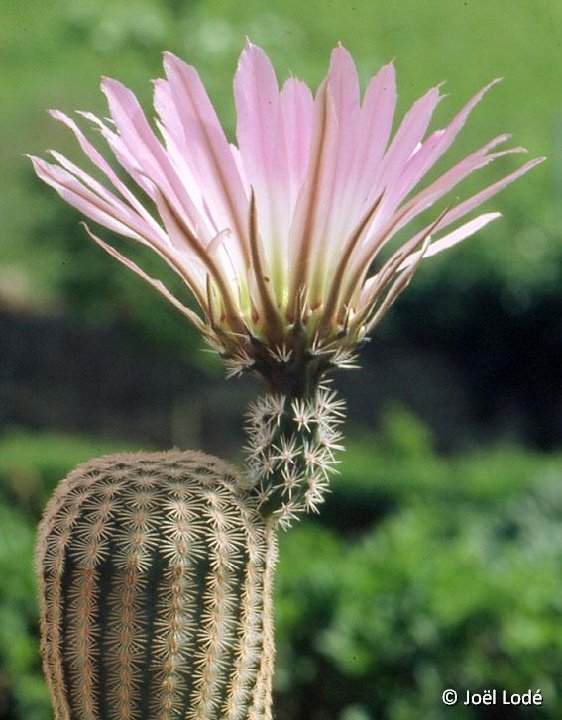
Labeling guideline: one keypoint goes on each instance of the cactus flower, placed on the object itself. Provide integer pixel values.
(279, 237)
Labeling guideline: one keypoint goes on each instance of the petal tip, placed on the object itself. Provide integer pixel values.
(340, 51)
(109, 85)
(251, 52)
(171, 61)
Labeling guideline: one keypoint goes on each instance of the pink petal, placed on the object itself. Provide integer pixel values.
(209, 155)
(157, 284)
(171, 130)
(260, 139)
(256, 96)
(142, 144)
(149, 230)
(321, 215)
(375, 126)
(343, 88)
(462, 209)
(416, 167)
(297, 109)
(313, 204)
(240, 167)
(364, 259)
(433, 148)
(446, 182)
(177, 254)
(100, 162)
(136, 133)
(84, 200)
(199, 258)
(409, 134)
(456, 125)
(386, 225)
(122, 154)
(452, 238)
(404, 146)
(343, 85)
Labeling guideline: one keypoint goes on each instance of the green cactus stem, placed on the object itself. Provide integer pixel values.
(291, 450)
(155, 573)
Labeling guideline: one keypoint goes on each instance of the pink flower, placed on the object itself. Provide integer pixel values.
(278, 237)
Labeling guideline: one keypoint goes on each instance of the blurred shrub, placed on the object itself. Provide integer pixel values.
(23, 693)
(398, 466)
(31, 465)
(458, 585)
(430, 600)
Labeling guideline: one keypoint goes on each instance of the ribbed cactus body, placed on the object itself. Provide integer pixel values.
(155, 574)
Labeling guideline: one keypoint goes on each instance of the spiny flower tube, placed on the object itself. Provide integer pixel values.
(279, 237)
(156, 569)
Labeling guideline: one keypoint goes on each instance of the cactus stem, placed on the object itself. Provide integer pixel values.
(83, 634)
(261, 708)
(247, 652)
(291, 450)
(155, 589)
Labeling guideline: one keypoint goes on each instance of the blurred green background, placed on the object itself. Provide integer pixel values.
(437, 561)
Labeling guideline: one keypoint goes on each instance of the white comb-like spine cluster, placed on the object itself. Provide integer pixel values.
(291, 451)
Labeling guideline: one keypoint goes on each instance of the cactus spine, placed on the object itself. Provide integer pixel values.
(156, 573)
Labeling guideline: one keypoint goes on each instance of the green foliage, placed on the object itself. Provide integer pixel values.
(24, 694)
(404, 467)
(31, 465)
(457, 585)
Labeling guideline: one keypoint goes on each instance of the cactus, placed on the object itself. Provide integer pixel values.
(156, 570)
(155, 573)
